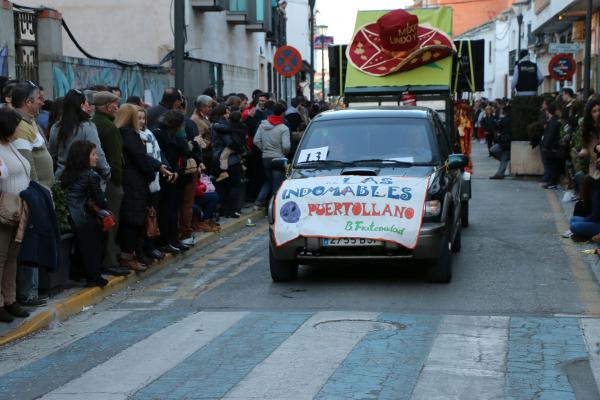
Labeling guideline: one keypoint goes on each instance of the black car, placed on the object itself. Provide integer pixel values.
(402, 142)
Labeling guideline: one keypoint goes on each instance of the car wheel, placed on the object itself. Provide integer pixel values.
(440, 271)
(457, 243)
(464, 213)
(282, 271)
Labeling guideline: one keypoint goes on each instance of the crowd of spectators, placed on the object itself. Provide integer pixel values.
(567, 133)
(138, 181)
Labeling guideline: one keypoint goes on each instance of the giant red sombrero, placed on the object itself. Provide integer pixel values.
(396, 42)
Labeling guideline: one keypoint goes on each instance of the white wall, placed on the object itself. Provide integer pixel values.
(131, 30)
(298, 34)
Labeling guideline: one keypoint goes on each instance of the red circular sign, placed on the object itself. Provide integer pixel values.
(287, 61)
(562, 67)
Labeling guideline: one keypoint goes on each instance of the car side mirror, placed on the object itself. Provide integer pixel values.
(279, 164)
(457, 161)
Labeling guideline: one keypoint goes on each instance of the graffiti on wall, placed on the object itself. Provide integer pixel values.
(77, 73)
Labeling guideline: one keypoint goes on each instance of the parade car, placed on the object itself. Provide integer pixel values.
(383, 146)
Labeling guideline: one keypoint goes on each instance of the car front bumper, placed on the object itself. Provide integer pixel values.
(432, 238)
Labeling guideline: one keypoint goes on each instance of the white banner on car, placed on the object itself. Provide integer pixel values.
(384, 208)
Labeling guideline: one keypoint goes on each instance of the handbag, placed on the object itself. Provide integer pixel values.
(106, 219)
(190, 166)
(11, 209)
(152, 223)
(11, 204)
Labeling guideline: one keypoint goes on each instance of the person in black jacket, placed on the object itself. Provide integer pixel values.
(229, 189)
(549, 146)
(488, 123)
(82, 186)
(171, 125)
(139, 170)
(501, 148)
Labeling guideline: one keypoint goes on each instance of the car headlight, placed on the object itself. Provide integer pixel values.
(433, 208)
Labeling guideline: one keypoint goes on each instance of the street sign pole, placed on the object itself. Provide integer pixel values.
(311, 27)
(323, 64)
(587, 68)
(179, 19)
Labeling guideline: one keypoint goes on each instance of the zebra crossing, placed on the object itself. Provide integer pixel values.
(173, 354)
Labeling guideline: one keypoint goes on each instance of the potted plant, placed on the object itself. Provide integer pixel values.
(525, 110)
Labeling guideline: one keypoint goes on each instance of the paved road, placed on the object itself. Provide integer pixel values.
(520, 320)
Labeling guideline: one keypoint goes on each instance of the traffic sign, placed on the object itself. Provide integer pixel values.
(562, 67)
(287, 61)
(559, 48)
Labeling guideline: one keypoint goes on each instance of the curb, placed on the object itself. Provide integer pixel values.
(75, 303)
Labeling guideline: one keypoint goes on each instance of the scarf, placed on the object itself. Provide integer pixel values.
(275, 120)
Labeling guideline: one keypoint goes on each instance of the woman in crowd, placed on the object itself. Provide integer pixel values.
(153, 150)
(75, 125)
(82, 186)
(14, 179)
(229, 189)
(55, 114)
(589, 226)
(139, 169)
(170, 125)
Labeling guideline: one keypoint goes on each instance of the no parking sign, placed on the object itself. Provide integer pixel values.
(287, 61)
(562, 67)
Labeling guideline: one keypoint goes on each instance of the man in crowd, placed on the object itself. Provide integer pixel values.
(107, 105)
(171, 100)
(203, 105)
(27, 101)
(526, 76)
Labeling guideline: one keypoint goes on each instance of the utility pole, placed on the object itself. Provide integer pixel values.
(179, 19)
(520, 23)
(311, 27)
(587, 62)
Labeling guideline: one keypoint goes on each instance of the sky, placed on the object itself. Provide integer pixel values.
(340, 15)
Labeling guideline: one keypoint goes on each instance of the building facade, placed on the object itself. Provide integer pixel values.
(543, 23)
(229, 43)
(468, 14)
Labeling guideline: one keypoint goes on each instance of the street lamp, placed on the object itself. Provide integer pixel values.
(322, 29)
(520, 22)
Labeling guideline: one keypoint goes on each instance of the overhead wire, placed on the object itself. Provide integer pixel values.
(84, 52)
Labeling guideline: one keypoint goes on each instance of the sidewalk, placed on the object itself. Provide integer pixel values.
(73, 300)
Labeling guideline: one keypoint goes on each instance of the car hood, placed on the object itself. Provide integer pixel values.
(413, 172)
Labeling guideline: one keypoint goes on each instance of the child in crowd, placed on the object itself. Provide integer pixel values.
(82, 185)
(238, 131)
(205, 204)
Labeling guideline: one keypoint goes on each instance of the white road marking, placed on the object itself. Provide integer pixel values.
(140, 364)
(467, 360)
(51, 340)
(303, 363)
(591, 332)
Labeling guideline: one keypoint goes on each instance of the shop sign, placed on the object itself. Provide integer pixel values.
(562, 67)
(559, 48)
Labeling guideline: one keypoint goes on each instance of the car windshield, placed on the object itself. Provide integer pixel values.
(350, 140)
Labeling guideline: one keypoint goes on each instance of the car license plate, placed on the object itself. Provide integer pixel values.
(343, 242)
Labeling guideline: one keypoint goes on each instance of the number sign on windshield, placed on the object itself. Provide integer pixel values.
(316, 154)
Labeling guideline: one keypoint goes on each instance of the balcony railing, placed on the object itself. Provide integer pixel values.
(209, 5)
